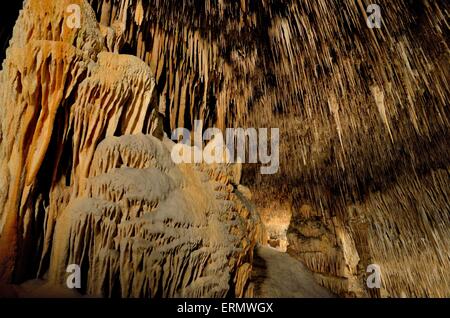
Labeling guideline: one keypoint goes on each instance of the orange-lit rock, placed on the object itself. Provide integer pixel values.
(83, 182)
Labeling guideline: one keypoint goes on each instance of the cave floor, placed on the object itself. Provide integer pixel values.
(278, 275)
(275, 275)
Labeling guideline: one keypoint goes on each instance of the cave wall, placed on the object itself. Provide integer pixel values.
(403, 229)
(363, 114)
(363, 117)
(86, 176)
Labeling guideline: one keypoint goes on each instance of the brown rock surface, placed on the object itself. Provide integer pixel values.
(363, 117)
(81, 183)
(149, 228)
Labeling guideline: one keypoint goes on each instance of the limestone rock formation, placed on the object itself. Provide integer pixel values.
(324, 246)
(276, 218)
(145, 227)
(83, 181)
(407, 238)
(364, 149)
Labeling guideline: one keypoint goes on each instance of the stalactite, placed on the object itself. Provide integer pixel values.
(79, 163)
(363, 116)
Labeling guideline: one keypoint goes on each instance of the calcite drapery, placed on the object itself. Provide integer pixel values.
(407, 223)
(363, 114)
(83, 182)
(145, 227)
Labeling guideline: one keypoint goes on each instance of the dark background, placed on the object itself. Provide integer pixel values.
(8, 16)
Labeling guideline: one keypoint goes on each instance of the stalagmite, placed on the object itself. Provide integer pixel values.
(148, 228)
(84, 182)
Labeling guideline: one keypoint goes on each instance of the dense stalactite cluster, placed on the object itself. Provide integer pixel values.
(363, 116)
(360, 110)
(314, 69)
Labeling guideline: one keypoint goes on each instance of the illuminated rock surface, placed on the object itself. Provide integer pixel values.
(364, 155)
(82, 184)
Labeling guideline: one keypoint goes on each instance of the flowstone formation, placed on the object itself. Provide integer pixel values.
(362, 113)
(144, 227)
(86, 176)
